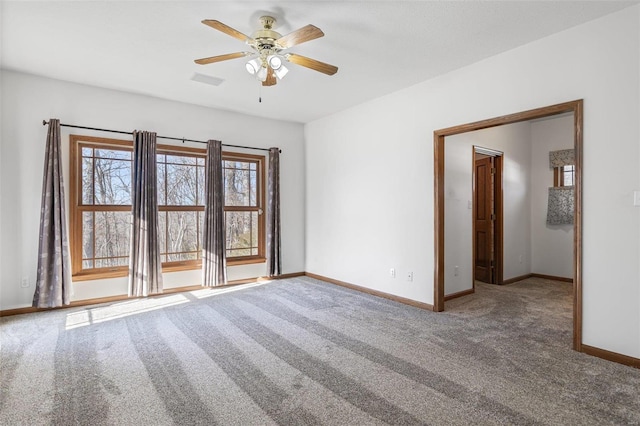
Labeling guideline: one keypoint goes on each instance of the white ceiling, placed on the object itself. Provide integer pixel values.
(379, 46)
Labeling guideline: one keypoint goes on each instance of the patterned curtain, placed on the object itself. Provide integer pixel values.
(214, 260)
(145, 267)
(563, 157)
(561, 205)
(274, 261)
(53, 281)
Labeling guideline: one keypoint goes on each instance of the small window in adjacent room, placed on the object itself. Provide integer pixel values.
(564, 175)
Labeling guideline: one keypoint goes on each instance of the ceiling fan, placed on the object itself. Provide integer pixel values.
(268, 56)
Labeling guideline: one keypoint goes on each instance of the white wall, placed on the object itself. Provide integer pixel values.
(514, 141)
(551, 245)
(369, 189)
(27, 100)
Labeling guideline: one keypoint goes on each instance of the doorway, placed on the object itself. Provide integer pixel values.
(573, 107)
(487, 212)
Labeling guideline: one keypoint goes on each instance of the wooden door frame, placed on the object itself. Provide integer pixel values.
(499, 224)
(574, 107)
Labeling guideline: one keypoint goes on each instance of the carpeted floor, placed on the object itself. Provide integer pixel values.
(299, 351)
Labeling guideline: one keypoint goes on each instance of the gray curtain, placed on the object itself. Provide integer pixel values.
(53, 281)
(214, 260)
(145, 267)
(274, 260)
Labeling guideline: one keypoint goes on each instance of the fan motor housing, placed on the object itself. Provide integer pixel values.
(265, 38)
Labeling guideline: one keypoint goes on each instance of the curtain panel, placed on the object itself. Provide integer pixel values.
(214, 261)
(561, 206)
(274, 259)
(53, 279)
(145, 267)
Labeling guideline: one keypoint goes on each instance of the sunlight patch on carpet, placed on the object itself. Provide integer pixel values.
(120, 310)
(114, 311)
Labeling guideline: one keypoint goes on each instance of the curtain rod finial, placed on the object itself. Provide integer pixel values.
(44, 122)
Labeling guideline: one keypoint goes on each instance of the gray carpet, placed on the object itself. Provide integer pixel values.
(303, 352)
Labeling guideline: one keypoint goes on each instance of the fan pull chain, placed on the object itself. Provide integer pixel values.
(259, 92)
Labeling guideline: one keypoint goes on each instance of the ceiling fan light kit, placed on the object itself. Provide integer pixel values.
(267, 59)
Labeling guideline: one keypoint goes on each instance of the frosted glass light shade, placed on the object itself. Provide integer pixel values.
(253, 66)
(275, 62)
(262, 74)
(281, 72)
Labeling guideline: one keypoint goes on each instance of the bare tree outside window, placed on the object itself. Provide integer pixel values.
(181, 206)
(106, 190)
(241, 208)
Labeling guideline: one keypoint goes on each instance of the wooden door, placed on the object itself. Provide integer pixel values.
(484, 212)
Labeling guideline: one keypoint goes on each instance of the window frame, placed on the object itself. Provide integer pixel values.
(180, 265)
(260, 207)
(558, 175)
(76, 208)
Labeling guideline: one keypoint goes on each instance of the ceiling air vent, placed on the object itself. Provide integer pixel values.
(207, 79)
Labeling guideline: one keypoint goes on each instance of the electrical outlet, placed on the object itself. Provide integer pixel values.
(410, 276)
(456, 270)
(392, 272)
(24, 283)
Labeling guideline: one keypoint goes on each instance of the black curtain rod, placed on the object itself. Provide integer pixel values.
(183, 140)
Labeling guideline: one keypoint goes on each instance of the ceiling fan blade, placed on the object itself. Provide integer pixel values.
(212, 59)
(312, 64)
(271, 77)
(306, 33)
(226, 29)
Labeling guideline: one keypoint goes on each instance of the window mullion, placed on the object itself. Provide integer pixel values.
(93, 239)
(93, 178)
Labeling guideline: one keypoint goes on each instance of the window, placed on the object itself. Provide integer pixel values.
(180, 207)
(100, 207)
(242, 212)
(564, 175)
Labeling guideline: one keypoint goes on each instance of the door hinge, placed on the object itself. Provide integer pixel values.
(493, 216)
(493, 170)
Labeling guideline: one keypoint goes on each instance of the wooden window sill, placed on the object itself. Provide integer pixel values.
(89, 276)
